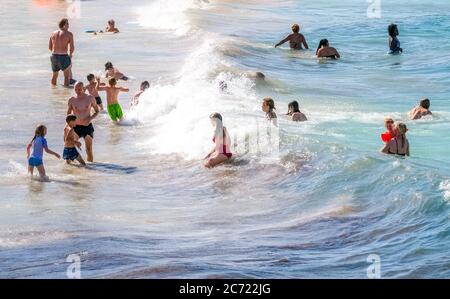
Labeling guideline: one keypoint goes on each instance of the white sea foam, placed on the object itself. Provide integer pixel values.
(445, 188)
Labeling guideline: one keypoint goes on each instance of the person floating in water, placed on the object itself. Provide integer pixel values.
(268, 106)
(423, 109)
(35, 158)
(112, 98)
(71, 142)
(112, 72)
(325, 51)
(112, 27)
(295, 113)
(389, 134)
(62, 46)
(144, 86)
(399, 144)
(394, 43)
(91, 88)
(296, 39)
(221, 151)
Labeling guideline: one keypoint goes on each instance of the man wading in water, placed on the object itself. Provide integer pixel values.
(61, 45)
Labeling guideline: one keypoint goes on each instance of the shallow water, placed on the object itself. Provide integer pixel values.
(317, 208)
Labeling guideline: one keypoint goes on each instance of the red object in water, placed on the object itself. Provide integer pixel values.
(386, 137)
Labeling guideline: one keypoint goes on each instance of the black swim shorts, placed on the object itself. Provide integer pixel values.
(98, 100)
(60, 62)
(83, 131)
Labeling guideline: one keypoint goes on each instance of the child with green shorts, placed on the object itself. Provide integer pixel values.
(112, 98)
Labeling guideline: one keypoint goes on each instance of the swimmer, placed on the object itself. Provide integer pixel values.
(39, 144)
(295, 39)
(221, 151)
(112, 98)
(423, 109)
(295, 113)
(389, 134)
(268, 106)
(144, 86)
(112, 27)
(112, 72)
(71, 141)
(91, 88)
(325, 51)
(399, 145)
(394, 43)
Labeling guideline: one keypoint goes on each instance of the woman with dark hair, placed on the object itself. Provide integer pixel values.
(423, 109)
(295, 113)
(394, 43)
(325, 51)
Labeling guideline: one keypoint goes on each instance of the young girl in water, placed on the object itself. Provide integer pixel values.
(399, 145)
(39, 144)
(295, 113)
(268, 106)
(394, 43)
(325, 51)
(221, 151)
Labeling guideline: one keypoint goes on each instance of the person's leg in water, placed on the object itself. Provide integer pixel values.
(90, 155)
(80, 160)
(215, 160)
(42, 173)
(55, 78)
(67, 75)
(30, 170)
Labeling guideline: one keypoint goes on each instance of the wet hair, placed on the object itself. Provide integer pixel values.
(63, 23)
(112, 81)
(295, 28)
(40, 131)
(393, 30)
(293, 107)
(269, 102)
(145, 85)
(90, 77)
(216, 115)
(323, 43)
(402, 128)
(71, 117)
(108, 66)
(111, 22)
(425, 103)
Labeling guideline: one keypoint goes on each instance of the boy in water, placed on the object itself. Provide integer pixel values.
(423, 109)
(71, 141)
(144, 86)
(112, 27)
(112, 98)
(112, 72)
(91, 88)
(295, 39)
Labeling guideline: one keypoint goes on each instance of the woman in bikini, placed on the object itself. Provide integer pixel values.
(294, 112)
(325, 51)
(221, 151)
(399, 145)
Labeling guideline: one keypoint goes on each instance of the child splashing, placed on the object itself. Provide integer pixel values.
(221, 151)
(39, 144)
(112, 98)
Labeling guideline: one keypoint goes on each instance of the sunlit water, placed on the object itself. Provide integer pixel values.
(147, 208)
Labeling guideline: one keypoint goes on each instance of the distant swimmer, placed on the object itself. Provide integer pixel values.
(91, 88)
(71, 142)
(112, 98)
(255, 75)
(112, 27)
(82, 105)
(144, 86)
(268, 106)
(389, 134)
(221, 151)
(325, 51)
(296, 39)
(35, 157)
(423, 109)
(112, 72)
(394, 43)
(295, 113)
(399, 144)
(62, 46)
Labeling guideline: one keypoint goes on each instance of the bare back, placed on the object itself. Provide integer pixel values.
(296, 40)
(60, 42)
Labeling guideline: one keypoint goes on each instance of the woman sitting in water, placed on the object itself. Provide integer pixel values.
(268, 106)
(389, 134)
(325, 51)
(423, 109)
(394, 43)
(398, 145)
(295, 113)
(221, 151)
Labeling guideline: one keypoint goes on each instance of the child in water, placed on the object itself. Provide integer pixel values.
(112, 98)
(295, 113)
(399, 145)
(112, 72)
(71, 141)
(144, 86)
(394, 43)
(35, 158)
(92, 89)
(423, 109)
(268, 106)
(221, 151)
(389, 134)
(112, 27)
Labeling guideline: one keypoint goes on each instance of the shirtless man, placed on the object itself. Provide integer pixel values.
(81, 105)
(61, 45)
(295, 39)
(112, 98)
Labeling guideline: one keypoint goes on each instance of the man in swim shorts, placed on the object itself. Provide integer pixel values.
(81, 106)
(61, 45)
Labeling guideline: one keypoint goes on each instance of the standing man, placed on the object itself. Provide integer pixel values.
(81, 106)
(62, 47)
(296, 39)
